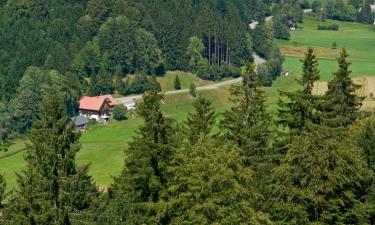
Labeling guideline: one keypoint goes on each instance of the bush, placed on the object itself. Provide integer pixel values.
(220, 72)
(119, 113)
(193, 90)
(330, 27)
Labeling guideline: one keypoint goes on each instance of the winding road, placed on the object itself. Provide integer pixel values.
(129, 99)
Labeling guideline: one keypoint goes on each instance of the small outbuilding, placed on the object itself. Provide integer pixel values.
(80, 122)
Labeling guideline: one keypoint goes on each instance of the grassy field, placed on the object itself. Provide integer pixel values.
(167, 81)
(103, 145)
(358, 39)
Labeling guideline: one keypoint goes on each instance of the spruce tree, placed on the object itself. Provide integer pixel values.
(322, 180)
(366, 141)
(139, 194)
(177, 83)
(296, 108)
(247, 122)
(211, 185)
(199, 124)
(51, 183)
(340, 106)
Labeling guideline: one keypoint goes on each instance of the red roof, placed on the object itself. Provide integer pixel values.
(95, 103)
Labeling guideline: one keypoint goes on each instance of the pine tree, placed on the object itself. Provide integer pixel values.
(247, 122)
(138, 195)
(199, 124)
(296, 108)
(322, 180)
(48, 185)
(177, 83)
(340, 105)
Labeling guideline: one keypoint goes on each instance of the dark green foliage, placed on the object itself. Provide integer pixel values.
(339, 10)
(2, 189)
(200, 123)
(138, 195)
(366, 141)
(193, 90)
(177, 83)
(330, 27)
(340, 106)
(211, 186)
(280, 27)
(33, 85)
(51, 184)
(322, 180)
(120, 113)
(365, 15)
(131, 47)
(247, 122)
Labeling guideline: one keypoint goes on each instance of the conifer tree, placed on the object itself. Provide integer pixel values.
(212, 186)
(199, 123)
(296, 108)
(177, 83)
(366, 142)
(138, 195)
(51, 183)
(247, 122)
(340, 105)
(322, 180)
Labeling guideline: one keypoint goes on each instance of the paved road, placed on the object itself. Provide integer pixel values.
(128, 99)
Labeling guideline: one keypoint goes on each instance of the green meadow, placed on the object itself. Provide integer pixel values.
(358, 39)
(102, 146)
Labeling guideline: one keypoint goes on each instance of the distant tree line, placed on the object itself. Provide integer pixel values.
(352, 10)
(313, 163)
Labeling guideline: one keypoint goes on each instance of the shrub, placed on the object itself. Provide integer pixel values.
(193, 90)
(330, 27)
(119, 113)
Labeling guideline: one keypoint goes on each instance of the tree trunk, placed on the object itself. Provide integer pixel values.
(209, 48)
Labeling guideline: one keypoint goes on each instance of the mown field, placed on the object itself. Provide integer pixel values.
(103, 145)
(358, 39)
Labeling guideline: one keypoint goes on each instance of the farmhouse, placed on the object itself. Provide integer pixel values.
(98, 107)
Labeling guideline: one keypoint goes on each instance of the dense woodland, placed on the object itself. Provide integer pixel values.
(311, 163)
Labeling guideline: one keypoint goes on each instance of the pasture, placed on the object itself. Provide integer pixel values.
(358, 39)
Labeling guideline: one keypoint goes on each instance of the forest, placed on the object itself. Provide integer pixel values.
(310, 162)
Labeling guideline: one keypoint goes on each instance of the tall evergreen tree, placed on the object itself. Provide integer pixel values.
(322, 180)
(296, 108)
(211, 185)
(139, 194)
(366, 142)
(51, 185)
(247, 123)
(340, 105)
(199, 124)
